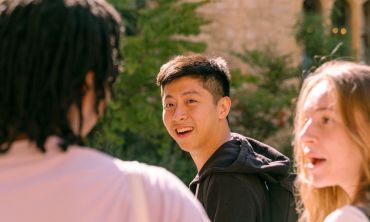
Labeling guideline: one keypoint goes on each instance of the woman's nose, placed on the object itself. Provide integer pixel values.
(307, 134)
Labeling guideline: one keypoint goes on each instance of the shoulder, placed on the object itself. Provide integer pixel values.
(256, 145)
(166, 195)
(252, 141)
(346, 213)
(88, 158)
(154, 188)
(226, 195)
(153, 177)
(235, 185)
(235, 179)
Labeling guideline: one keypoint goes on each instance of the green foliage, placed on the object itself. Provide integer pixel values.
(322, 42)
(263, 98)
(132, 128)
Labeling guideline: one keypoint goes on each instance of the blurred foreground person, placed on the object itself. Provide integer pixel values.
(58, 61)
(332, 143)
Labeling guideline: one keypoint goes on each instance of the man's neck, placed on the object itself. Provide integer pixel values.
(200, 156)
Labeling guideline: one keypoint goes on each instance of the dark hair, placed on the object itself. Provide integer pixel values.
(46, 48)
(212, 71)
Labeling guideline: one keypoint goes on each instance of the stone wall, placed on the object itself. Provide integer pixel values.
(254, 24)
(250, 24)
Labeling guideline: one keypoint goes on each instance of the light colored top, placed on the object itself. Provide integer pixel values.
(83, 184)
(347, 213)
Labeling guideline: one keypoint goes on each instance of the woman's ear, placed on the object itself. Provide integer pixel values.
(223, 107)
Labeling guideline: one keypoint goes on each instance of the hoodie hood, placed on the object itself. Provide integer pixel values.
(245, 155)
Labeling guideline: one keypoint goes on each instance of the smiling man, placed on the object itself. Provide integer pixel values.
(232, 169)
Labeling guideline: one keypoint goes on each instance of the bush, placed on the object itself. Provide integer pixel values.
(263, 98)
(133, 128)
(320, 42)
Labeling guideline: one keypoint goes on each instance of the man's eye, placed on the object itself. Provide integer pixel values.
(168, 105)
(191, 101)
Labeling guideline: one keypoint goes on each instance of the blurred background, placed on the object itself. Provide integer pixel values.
(270, 45)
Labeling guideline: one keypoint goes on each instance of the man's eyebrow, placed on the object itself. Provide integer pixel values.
(167, 97)
(186, 93)
(190, 92)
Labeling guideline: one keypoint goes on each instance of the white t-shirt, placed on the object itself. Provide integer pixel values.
(347, 213)
(83, 184)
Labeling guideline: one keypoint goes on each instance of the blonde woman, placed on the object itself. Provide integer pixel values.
(332, 143)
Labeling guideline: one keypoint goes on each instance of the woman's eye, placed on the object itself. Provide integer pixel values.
(325, 120)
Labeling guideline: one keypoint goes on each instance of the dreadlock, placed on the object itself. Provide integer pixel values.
(46, 49)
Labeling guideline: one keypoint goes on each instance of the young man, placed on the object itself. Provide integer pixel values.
(59, 59)
(232, 169)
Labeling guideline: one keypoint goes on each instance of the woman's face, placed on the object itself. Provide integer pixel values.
(331, 157)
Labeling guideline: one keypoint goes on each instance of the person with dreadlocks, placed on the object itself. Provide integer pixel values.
(59, 60)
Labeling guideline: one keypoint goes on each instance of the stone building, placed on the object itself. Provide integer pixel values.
(236, 25)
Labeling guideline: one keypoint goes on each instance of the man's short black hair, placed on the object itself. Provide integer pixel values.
(46, 49)
(212, 71)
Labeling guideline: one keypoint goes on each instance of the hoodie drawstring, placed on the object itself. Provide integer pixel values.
(197, 190)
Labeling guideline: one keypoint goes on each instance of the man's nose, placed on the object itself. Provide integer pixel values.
(179, 114)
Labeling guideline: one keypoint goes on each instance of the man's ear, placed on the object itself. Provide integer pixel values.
(223, 106)
(89, 80)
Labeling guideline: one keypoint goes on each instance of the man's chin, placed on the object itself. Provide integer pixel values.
(183, 147)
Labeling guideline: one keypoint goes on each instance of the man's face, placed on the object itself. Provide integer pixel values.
(190, 114)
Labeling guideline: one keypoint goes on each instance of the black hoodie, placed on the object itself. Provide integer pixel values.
(229, 184)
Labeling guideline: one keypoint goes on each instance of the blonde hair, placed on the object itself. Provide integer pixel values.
(351, 82)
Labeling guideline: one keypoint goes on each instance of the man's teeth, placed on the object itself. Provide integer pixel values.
(182, 130)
